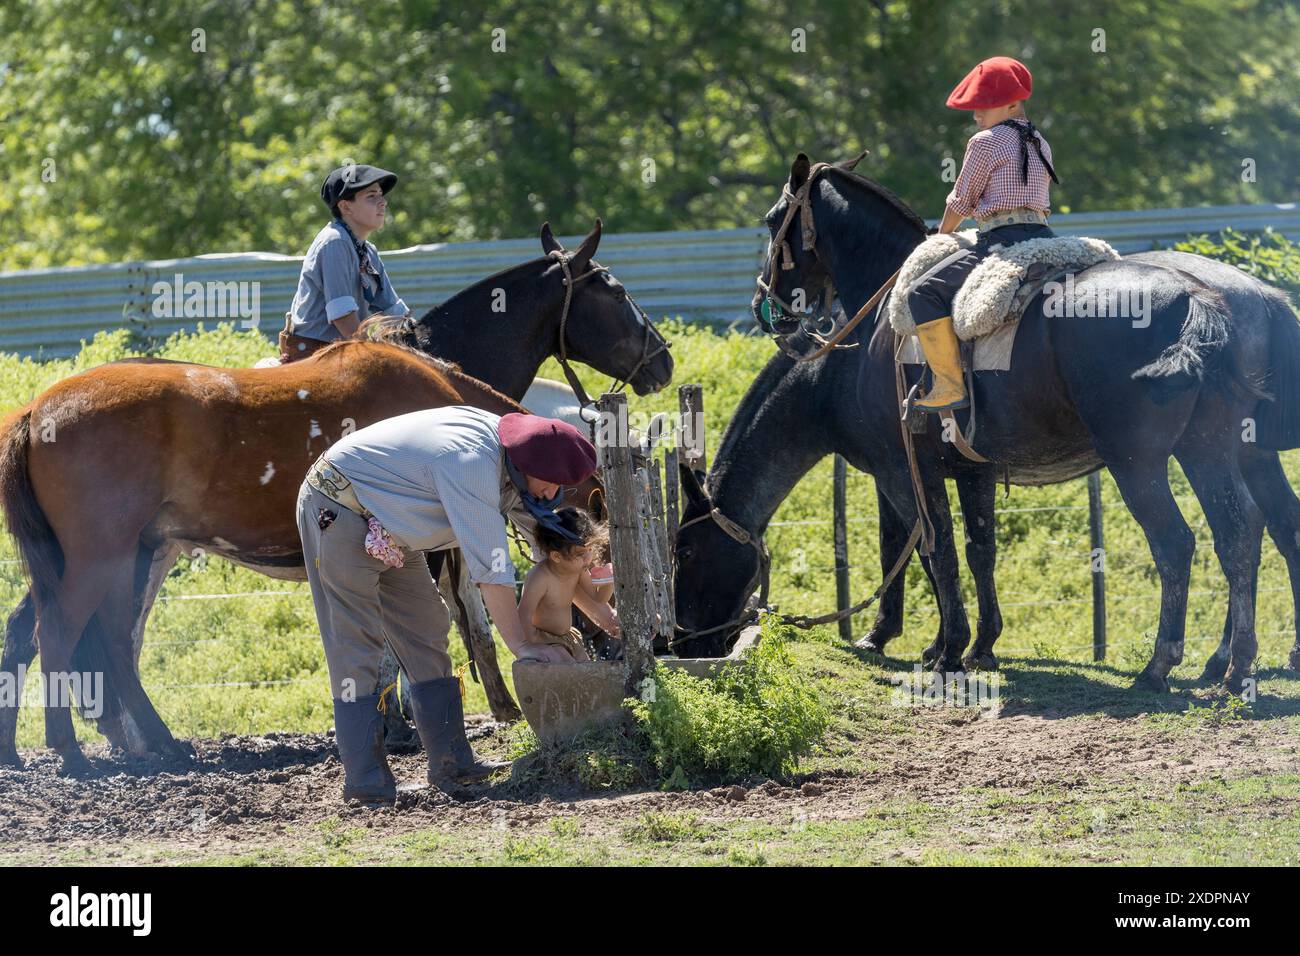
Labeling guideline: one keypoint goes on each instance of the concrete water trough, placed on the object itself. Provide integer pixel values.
(561, 701)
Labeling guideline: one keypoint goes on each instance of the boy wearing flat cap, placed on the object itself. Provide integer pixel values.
(343, 281)
(425, 481)
(1003, 184)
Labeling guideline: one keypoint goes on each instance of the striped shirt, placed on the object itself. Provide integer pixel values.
(990, 183)
(436, 479)
(331, 285)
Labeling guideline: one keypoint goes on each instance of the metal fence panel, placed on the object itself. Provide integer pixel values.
(702, 275)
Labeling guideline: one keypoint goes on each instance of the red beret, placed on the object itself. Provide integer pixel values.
(547, 448)
(997, 81)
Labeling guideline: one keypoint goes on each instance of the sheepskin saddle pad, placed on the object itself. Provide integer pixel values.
(987, 299)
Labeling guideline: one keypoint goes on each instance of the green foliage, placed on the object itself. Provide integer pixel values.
(755, 717)
(1269, 255)
(651, 113)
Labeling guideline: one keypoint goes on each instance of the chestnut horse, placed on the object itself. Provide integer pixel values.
(107, 473)
(602, 327)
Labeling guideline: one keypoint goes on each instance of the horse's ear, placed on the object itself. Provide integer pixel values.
(583, 256)
(848, 164)
(549, 242)
(693, 485)
(799, 170)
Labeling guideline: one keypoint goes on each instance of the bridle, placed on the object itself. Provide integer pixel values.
(800, 203)
(648, 352)
(758, 582)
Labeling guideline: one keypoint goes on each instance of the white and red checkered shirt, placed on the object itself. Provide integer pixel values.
(990, 183)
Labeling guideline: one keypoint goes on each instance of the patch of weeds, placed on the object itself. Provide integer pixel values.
(1132, 656)
(1215, 713)
(757, 716)
(566, 827)
(739, 856)
(667, 828)
(531, 851)
(336, 836)
(1045, 648)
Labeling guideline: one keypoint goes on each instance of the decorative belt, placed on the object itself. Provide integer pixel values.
(335, 486)
(1012, 217)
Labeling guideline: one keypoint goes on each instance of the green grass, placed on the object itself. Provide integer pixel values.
(254, 664)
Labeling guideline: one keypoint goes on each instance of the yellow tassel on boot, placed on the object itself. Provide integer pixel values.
(943, 353)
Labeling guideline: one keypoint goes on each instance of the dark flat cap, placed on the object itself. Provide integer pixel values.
(346, 181)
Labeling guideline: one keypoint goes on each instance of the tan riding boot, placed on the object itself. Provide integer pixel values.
(943, 353)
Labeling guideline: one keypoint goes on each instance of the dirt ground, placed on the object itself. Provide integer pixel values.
(1003, 776)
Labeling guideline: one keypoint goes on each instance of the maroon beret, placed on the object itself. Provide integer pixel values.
(995, 82)
(547, 448)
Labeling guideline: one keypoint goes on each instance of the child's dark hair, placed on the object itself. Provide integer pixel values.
(576, 522)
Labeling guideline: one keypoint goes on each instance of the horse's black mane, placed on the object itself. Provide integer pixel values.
(494, 278)
(450, 369)
(886, 194)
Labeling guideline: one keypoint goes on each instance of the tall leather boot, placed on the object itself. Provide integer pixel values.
(440, 719)
(359, 733)
(943, 353)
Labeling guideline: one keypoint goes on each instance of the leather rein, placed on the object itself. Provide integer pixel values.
(648, 352)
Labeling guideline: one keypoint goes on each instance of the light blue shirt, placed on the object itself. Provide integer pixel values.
(331, 285)
(436, 479)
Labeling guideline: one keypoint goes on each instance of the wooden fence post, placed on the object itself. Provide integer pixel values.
(690, 432)
(842, 599)
(1097, 558)
(626, 538)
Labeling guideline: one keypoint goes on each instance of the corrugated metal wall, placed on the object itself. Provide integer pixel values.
(700, 275)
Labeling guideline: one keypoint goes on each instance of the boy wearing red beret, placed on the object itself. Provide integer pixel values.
(1003, 185)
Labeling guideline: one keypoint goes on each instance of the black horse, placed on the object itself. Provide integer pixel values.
(1087, 393)
(792, 416)
(503, 346)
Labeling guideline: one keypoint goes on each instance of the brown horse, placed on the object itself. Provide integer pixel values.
(106, 475)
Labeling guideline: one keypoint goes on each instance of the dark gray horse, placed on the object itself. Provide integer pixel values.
(1087, 393)
(503, 347)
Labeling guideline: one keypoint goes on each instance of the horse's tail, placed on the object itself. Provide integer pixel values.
(1205, 334)
(1203, 353)
(1278, 421)
(37, 545)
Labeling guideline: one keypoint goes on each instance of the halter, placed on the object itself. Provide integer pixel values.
(570, 280)
(800, 203)
(759, 581)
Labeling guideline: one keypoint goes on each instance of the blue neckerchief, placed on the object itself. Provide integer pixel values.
(542, 509)
(363, 257)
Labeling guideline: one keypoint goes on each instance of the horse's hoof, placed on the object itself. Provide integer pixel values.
(1150, 681)
(1234, 681)
(180, 750)
(930, 655)
(870, 645)
(1293, 662)
(75, 764)
(980, 662)
(956, 666)
(1215, 668)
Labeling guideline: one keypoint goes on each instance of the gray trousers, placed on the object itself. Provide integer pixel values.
(361, 603)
